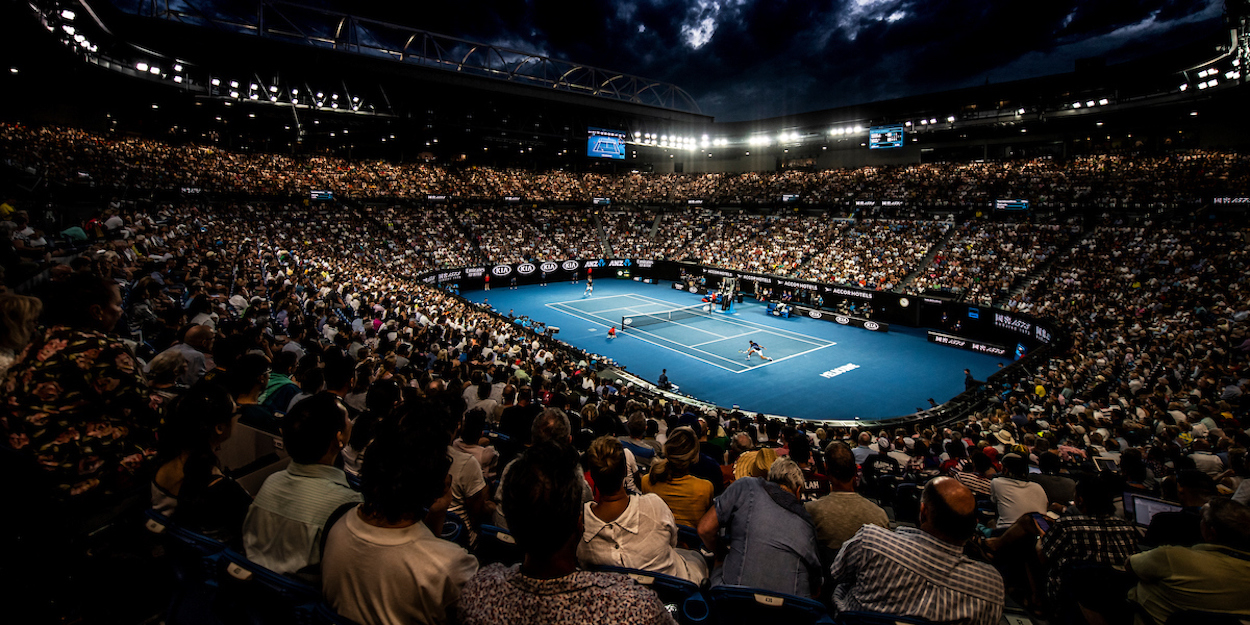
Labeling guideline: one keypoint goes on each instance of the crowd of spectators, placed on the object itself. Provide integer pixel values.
(1104, 182)
(164, 330)
(984, 262)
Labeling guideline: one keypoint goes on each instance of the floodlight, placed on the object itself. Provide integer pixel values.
(295, 92)
(177, 67)
(907, 123)
(1076, 105)
(950, 118)
(1213, 82)
(355, 98)
(178, 79)
(253, 97)
(1184, 87)
(1089, 103)
(234, 84)
(215, 82)
(69, 30)
(334, 105)
(234, 94)
(273, 98)
(154, 70)
(143, 67)
(320, 95)
(924, 122)
(861, 128)
(1020, 112)
(67, 14)
(334, 96)
(13, 70)
(1102, 102)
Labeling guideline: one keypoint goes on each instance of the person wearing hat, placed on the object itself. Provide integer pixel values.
(1013, 494)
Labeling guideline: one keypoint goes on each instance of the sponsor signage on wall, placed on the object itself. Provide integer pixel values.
(950, 340)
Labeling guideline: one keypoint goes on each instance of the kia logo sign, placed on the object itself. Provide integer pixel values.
(570, 265)
(814, 314)
(549, 267)
(501, 270)
(694, 289)
(842, 320)
(871, 325)
(525, 268)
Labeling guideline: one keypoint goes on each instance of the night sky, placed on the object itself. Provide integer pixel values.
(751, 59)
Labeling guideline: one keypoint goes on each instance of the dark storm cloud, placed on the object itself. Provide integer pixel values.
(745, 59)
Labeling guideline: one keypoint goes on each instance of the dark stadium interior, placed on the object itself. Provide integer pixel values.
(287, 289)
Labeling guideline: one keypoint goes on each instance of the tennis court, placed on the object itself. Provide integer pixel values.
(820, 370)
(700, 332)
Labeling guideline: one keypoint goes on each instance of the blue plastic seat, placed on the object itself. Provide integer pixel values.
(197, 562)
(496, 544)
(683, 597)
(734, 605)
(878, 618)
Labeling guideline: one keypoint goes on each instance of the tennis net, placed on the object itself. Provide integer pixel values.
(664, 316)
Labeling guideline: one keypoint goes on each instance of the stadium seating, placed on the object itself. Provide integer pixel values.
(740, 605)
(684, 598)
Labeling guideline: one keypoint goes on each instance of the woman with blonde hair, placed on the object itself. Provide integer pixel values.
(19, 316)
(689, 497)
(631, 531)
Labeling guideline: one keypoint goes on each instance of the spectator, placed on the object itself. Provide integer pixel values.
(382, 564)
(1014, 495)
(937, 582)
(544, 493)
(631, 531)
(1078, 541)
(1060, 489)
(286, 523)
(771, 539)
(839, 515)
(1210, 576)
(282, 387)
(19, 316)
(76, 399)
(189, 486)
(688, 497)
(1194, 489)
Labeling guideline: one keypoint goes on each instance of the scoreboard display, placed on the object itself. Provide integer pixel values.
(884, 137)
(602, 143)
(1011, 205)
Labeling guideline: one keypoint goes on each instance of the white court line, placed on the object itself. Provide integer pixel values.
(784, 358)
(726, 338)
(751, 324)
(563, 307)
(634, 334)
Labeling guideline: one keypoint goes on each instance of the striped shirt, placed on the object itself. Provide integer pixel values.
(908, 572)
(283, 528)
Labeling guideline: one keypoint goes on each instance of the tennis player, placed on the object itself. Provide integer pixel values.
(756, 349)
(590, 287)
(612, 332)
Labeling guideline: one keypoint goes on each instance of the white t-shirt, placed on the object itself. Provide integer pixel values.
(377, 576)
(1016, 498)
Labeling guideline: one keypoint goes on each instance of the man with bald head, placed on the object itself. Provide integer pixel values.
(910, 572)
(196, 346)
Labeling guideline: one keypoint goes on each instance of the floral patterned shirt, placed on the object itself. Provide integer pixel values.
(500, 594)
(77, 402)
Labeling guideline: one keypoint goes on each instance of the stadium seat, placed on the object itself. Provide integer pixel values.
(740, 605)
(496, 544)
(253, 595)
(683, 597)
(197, 562)
(878, 618)
(688, 537)
(1200, 617)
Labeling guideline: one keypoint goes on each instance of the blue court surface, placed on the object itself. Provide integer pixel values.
(819, 369)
